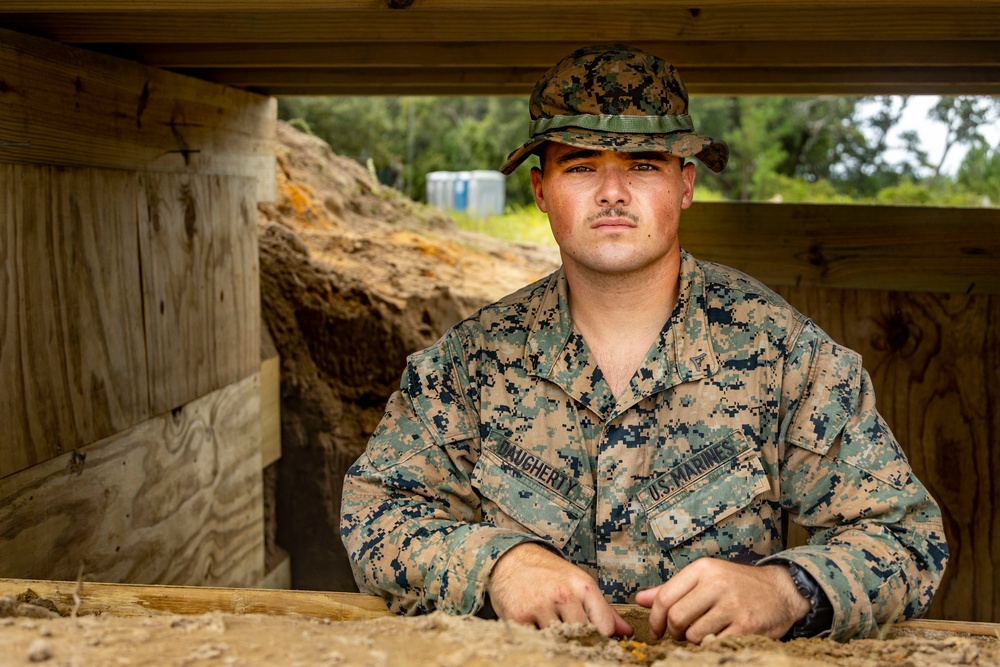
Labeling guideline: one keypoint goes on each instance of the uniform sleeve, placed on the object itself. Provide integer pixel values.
(877, 544)
(410, 518)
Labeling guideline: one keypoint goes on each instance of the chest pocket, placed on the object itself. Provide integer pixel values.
(520, 489)
(701, 493)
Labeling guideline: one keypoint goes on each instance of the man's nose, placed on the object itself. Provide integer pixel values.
(613, 189)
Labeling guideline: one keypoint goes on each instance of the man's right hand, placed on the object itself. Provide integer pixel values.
(532, 585)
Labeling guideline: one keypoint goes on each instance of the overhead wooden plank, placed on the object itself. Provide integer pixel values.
(416, 55)
(157, 6)
(759, 80)
(935, 364)
(201, 294)
(954, 250)
(72, 353)
(695, 89)
(871, 21)
(61, 105)
(176, 500)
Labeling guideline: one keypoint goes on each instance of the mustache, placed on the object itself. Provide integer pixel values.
(614, 212)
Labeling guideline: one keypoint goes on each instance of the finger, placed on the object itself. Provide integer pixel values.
(667, 595)
(604, 617)
(572, 612)
(646, 597)
(622, 628)
(689, 609)
(543, 618)
(712, 623)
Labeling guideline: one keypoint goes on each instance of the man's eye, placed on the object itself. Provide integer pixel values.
(577, 168)
(644, 167)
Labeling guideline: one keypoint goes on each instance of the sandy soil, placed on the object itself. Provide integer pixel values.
(435, 640)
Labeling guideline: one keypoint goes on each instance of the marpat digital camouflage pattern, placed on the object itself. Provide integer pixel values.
(615, 97)
(506, 432)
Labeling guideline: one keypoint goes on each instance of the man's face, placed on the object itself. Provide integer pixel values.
(612, 212)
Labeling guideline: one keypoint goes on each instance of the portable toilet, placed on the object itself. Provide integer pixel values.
(440, 186)
(462, 179)
(486, 193)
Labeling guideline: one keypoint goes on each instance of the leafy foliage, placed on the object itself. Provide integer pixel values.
(826, 149)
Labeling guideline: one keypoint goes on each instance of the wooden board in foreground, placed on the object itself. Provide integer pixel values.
(134, 600)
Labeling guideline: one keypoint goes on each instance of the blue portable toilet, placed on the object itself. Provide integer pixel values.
(479, 193)
(462, 190)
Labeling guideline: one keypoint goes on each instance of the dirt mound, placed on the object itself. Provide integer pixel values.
(354, 277)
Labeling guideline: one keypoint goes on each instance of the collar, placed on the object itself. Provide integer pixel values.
(683, 352)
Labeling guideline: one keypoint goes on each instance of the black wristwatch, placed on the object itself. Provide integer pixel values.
(820, 616)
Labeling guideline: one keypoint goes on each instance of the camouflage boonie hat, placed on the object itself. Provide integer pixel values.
(615, 97)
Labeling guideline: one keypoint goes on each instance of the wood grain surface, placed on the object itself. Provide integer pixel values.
(200, 284)
(66, 106)
(490, 21)
(72, 354)
(174, 500)
(913, 248)
(270, 411)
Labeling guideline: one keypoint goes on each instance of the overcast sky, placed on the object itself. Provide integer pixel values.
(932, 134)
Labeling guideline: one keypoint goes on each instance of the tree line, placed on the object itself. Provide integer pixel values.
(826, 149)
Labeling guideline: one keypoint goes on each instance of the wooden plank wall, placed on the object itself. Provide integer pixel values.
(924, 318)
(63, 105)
(174, 500)
(129, 321)
(72, 370)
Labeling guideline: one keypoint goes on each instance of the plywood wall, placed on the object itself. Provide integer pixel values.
(125, 296)
(72, 369)
(129, 320)
(174, 500)
(916, 292)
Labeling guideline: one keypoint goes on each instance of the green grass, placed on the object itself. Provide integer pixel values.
(519, 223)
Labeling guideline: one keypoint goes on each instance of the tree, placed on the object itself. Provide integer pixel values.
(423, 134)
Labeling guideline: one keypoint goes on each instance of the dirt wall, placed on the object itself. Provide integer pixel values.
(354, 277)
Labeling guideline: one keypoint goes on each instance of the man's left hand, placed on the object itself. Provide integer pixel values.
(712, 596)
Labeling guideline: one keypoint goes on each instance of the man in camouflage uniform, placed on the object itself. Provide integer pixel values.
(637, 426)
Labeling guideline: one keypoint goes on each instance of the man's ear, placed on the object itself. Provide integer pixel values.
(688, 172)
(536, 189)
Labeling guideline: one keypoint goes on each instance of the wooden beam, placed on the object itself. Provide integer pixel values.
(174, 500)
(270, 411)
(953, 250)
(720, 90)
(862, 22)
(378, 77)
(542, 55)
(62, 105)
(157, 6)
(134, 600)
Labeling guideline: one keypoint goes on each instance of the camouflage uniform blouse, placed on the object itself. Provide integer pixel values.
(506, 432)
